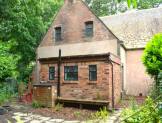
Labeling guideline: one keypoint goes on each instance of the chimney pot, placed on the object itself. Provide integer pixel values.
(69, 1)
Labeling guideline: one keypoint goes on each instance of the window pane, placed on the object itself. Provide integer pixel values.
(71, 73)
(58, 33)
(92, 72)
(51, 76)
(92, 67)
(51, 73)
(93, 76)
(89, 29)
(51, 69)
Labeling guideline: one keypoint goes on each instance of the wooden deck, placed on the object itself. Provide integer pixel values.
(82, 102)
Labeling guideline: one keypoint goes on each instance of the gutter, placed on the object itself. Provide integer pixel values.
(112, 77)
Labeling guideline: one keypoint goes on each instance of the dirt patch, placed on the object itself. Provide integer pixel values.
(65, 113)
(129, 101)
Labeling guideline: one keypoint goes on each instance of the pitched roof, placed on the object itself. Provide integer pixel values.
(135, 28)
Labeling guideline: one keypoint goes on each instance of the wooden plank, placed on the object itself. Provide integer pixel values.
(80, 101)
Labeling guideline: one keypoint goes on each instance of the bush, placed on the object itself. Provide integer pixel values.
(36, 104)
(7, 61)
(5, 93)
(147, 113)
(101, 115)
(58, 107)
(152, 57)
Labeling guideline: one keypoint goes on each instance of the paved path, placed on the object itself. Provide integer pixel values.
(34, 118)
(26, 117)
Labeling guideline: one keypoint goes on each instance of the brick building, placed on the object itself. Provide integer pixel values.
(95, 64)
(135, 29)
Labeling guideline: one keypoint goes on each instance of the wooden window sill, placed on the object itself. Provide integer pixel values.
(70, 82)
(92, 82)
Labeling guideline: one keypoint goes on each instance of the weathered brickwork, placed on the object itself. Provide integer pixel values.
(84, 88)
(71, 18)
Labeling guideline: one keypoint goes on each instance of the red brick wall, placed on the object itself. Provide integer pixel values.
(83, 88)
(72, 20)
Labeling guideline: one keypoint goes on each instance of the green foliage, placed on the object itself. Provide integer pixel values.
(146, 4)
(58, 107)
(7, 61)
(132, 3)
(101, 115)
(21, 89)
(36, 104)
(152, 56)
(23, 23)
(133, 103)
(109, 7)
(159, 79)
(77, 114)
(106, 7)
(5, 93)
(147, 113)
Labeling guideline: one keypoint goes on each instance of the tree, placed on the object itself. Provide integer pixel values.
(24, 23)
(106, 7)
(146, 4)
(152, 57)
(109, 7)
(7, 61)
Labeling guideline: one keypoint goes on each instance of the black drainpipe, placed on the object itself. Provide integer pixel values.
(112, 71)
(59, 65)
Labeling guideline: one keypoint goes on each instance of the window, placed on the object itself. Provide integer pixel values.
(92, 72)
(89, 29)
(71, 73)
(58, 34)
(51, 73)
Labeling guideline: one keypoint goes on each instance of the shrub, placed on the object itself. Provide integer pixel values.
(5, 94)
(77, 114)
(58, 107)
(152, 56)
(101, 115)
(147, 113)
(36, 104)
(21, 89)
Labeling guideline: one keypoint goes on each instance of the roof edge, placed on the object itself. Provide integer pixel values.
(100, 20)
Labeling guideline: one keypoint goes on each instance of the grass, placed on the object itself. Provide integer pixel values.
(57, 107)
(36, 104)
(5, 93)
(100, 116)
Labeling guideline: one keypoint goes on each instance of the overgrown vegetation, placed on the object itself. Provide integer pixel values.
(100, 116)
(147, 113)
(150, 111)
(153, 55)
(58, 107)
(152, 59)
(23, 23)
(6, 92)
(109, 7)
(36, 104)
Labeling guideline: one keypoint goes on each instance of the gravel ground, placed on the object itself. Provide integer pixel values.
(65, 113)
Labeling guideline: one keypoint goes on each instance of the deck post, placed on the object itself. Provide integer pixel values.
(59, 65)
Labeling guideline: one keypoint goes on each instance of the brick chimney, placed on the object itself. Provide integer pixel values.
(68, 1)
